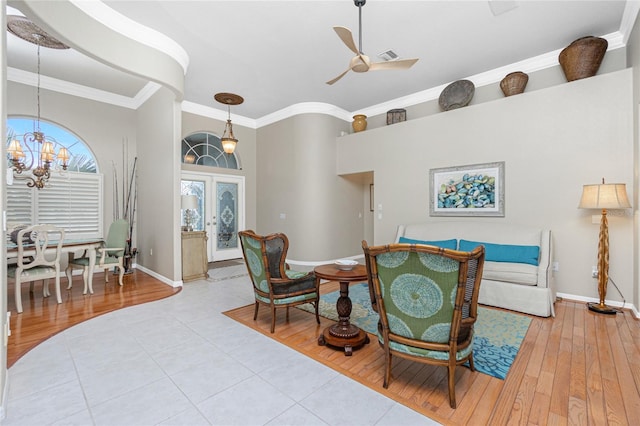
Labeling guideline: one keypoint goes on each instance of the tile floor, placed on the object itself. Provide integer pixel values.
(180, 361)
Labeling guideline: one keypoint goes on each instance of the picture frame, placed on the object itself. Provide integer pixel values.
(470, 190)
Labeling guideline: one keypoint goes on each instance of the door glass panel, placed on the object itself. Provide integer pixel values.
(194, 187)
(227, 214)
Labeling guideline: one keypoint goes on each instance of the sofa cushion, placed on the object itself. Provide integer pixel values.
(517, 273)
(448, 244)
(505, 252)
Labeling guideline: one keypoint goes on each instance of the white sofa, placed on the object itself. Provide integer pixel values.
(508, 284)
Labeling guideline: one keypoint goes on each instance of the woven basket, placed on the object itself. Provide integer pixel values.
(514, 83)
(582, 58)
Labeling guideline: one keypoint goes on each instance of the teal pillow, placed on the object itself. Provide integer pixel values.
(448, 244)
(504, 252)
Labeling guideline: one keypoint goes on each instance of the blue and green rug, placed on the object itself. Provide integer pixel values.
(499, 334)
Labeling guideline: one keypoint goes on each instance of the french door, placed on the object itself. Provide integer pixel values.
(220, 211)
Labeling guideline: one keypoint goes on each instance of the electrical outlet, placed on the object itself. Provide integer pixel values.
(150, 252)
(594, 272)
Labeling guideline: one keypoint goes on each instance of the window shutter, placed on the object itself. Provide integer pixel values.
(72, 201)
(19, 204)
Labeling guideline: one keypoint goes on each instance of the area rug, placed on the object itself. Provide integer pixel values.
(498, 333)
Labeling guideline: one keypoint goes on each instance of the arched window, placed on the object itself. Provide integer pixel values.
(71, 198)
(82, 159)
(205, 149)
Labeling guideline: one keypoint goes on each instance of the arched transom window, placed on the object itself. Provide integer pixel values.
(71, 198)
(205, 149)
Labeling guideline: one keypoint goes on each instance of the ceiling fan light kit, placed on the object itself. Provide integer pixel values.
(361, 62)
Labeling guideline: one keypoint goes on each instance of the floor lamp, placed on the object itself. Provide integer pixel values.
(604, 196)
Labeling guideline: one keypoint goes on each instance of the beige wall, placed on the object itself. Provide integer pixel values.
(245, 151)
(633, 55)
(297, 177)
(158, 217)
(552, 140)
(104, 128)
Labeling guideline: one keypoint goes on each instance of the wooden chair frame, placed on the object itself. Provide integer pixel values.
(275, 269)
(464, 313)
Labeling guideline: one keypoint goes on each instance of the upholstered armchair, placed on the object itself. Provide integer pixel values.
(43, 245)
(274, 284)
(427, 299)
(110, 255)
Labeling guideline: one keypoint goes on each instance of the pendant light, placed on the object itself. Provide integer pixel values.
(228, 140)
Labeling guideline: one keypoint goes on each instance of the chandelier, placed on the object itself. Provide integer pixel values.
(41, 148)
(228, 140)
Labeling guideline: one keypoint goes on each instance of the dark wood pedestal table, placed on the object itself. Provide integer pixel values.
(342, 334)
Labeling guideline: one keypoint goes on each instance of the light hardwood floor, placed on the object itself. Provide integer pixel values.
(578, 368)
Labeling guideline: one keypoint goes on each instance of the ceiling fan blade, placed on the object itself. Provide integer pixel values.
(399, 64)
(339, 77)
(347, 38)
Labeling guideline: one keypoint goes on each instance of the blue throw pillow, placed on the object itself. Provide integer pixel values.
(504, 252)
(448, 244)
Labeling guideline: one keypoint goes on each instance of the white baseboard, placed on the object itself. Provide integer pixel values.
(159, 277)
(612, 303)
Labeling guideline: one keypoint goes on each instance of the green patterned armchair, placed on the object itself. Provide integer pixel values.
(274, 284)
(427, 298)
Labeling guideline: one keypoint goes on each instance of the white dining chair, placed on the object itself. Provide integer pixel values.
(39, 248)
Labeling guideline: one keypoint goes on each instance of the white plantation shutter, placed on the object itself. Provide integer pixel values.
(72, 201)
(19, 203)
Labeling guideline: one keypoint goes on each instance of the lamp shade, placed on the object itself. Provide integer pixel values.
(189, 202)
(604, 196)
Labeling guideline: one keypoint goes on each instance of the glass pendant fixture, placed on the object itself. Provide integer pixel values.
(228, 140)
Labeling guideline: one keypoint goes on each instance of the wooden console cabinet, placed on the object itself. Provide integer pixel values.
(195, 265)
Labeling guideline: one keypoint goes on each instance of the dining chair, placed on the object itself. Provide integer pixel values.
(37, 260)
(274, 284)
(427, 299)
(109, 255)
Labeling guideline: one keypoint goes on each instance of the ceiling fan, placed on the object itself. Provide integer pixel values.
(361, 62)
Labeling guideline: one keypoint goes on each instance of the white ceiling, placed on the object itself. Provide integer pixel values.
(279, 53)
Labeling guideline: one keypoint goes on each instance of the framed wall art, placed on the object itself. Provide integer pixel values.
(472, 190)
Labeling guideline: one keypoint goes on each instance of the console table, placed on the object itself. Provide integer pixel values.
(195, 265)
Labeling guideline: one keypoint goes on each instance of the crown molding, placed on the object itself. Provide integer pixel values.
(61, 86)
(616, 40)
(304, 108)
(529, 65)
(631, 9)
(134, 30)
(290, 111)
(217, 114)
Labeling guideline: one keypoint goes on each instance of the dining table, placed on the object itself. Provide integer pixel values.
(69, 246)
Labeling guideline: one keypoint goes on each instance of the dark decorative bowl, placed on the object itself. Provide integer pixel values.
(456, 95)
